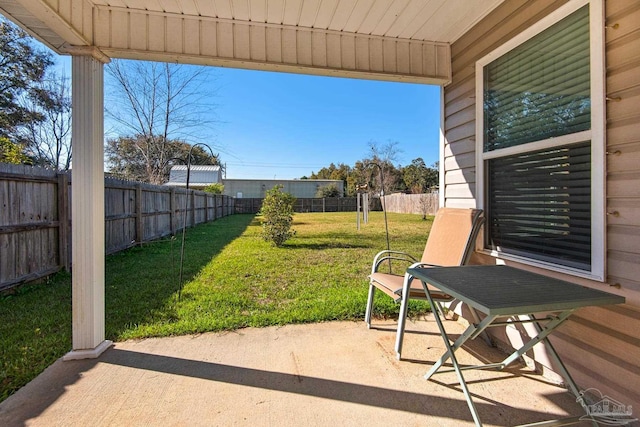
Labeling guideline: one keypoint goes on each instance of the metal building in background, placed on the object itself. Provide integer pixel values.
(201, 176)
(257, 188)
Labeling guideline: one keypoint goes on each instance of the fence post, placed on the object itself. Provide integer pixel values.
(193, 208)
(206, 208)
(63, 221)
(172, 213)
(139, 236)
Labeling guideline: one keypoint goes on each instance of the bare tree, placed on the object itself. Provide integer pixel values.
(427, 204)
(384, 156)
(153, 104)
(49, 140)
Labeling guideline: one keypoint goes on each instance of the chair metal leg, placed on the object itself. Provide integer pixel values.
(402, 320)
(402, 316)
(367, 315)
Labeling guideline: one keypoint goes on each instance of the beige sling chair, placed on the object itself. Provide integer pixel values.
(451, 242)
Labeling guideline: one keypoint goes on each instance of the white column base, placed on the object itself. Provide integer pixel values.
(91, 353)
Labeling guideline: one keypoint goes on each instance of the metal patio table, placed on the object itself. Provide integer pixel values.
(507, 296)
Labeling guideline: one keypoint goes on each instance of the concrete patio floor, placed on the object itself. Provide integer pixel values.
(326, 374)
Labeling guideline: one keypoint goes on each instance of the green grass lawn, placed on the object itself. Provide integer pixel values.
(231, 279)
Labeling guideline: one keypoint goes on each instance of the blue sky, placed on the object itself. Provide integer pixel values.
(285, 126)
(289, 125)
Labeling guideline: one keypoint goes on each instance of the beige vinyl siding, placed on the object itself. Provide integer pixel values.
(623, 143)
(459, 96)
(600, 346)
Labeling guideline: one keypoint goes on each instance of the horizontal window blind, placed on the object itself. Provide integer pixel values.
(540, 205)
(541, 89)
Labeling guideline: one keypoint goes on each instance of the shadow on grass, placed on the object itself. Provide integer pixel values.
(35, 330)
(142, 284)
(325, 245)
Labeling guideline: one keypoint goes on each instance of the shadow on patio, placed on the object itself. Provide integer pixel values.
(336, 373)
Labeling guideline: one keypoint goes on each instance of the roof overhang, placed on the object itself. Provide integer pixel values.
(399, 40)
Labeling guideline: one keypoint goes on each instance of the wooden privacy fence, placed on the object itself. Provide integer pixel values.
(33, 215)
(424, 204)
(328, 204)
(35, 218)
(137, 212)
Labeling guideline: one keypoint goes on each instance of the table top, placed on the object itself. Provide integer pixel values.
(504, 290)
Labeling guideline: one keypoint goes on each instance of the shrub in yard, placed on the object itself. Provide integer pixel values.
(215, 188)
(277, 214)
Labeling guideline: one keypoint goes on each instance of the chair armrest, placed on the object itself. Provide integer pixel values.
(408, 278)
(423, 264)
(390, 255)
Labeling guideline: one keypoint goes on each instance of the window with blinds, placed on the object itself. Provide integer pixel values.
(540, 205)
(538, 194)
(540, 89)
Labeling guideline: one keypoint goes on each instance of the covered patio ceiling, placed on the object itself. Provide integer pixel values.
(400, 40)
(396, 40)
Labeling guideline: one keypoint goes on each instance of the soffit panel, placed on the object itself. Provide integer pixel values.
(119, 33)
(428, 20)
(424, 20)
(52, 25)
(388, 39)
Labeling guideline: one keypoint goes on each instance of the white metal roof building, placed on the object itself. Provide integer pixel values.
(200, 176)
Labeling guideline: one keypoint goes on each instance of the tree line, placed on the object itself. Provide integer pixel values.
(377, 173)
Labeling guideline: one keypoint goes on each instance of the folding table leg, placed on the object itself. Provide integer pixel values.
(542, 335)
(454, 361)
(471, 332)
(476, 319)
(560, 366)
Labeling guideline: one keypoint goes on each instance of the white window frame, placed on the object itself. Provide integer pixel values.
(596, 135)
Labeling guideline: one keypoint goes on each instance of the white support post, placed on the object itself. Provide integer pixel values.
(358, 211)
(365, 204)
(87, 208)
